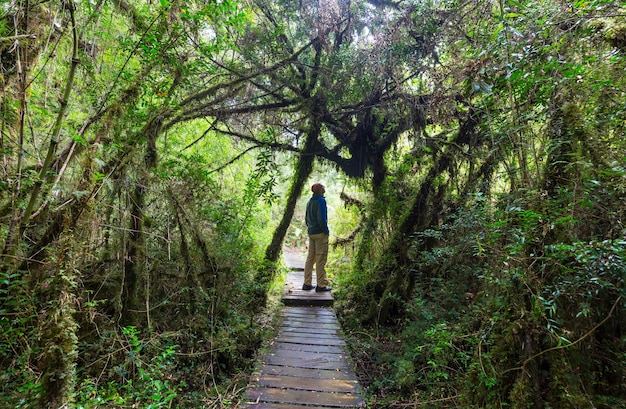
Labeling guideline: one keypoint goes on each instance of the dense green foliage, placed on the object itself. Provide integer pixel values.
(499, 279)
(154, 157)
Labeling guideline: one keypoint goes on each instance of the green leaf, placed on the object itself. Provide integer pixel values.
(517, 4)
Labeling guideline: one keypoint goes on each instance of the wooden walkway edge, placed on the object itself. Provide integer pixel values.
(306, 365)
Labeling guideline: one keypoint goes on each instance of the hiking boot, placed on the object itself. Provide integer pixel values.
(307, 287)
(322, 289)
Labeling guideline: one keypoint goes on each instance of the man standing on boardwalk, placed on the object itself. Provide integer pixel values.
(317, 227)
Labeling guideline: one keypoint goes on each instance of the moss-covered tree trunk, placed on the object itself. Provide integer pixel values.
(134, 263)
(390, 271)
(423, 213)
(55, 285)
(58, 328)
(209, 270)
(134, 260)
(303, 169)
(565, 137)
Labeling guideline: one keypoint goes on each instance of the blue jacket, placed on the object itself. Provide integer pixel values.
(317, 215)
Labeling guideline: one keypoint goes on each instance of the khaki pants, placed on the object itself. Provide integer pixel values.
(318, 253)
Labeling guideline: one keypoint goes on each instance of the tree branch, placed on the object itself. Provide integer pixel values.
(56, 130)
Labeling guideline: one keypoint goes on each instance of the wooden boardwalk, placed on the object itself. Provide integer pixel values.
(306, 365)
(293, 295)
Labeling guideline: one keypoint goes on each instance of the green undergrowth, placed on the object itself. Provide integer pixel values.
(500, 317)
(190, 356)
(186, 367)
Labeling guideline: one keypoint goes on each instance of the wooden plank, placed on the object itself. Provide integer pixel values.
(309, 324)
(334, 400)
(293, 295)
(307, 363)
(328, 329)
(290, 326)
(308, 311)
(330, 349)
(294, 339)
(310, 317)
(300, 330)
(310, 327)
(308, 301)
(295, 279)
(322, 385)
(316, 312)
(293, 290)
(304, 321)
(273, 405)
(342, 374)
(289, 353)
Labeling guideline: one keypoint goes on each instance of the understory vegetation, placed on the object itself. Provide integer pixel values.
(491, 322)
(155, 158)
